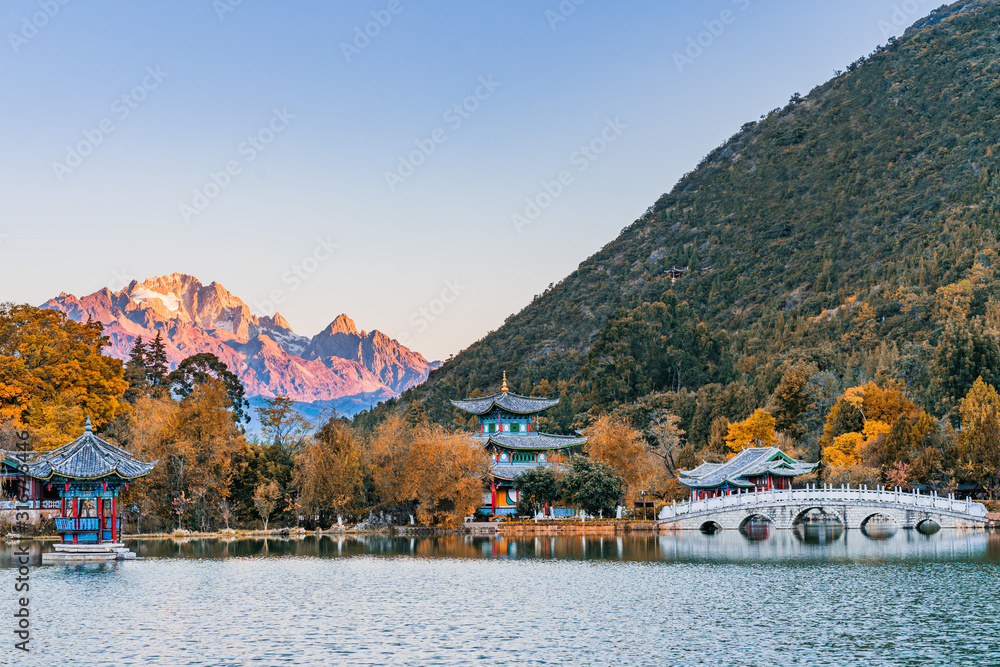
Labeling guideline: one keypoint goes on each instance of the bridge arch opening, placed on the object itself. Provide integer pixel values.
(879, 526)
(756, 527)
(710, 528)
(814, 525)
(928, 526)
(816, 516)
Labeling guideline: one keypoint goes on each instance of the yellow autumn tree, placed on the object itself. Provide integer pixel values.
(757, 430)
(615, 442)
(329, 470)
(979, 441)
(858, 427)
(436, 474)
(193, 441)
(53, 375)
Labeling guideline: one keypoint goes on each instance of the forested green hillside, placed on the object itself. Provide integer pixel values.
(850, 236)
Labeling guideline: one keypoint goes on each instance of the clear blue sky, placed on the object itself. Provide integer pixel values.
(310, 118)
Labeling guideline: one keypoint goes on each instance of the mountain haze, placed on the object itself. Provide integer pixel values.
(852, 232)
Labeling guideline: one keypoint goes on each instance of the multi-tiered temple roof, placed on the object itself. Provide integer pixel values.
(507, 427)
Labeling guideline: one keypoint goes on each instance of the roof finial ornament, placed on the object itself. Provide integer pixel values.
(504, 387)
(89, 430)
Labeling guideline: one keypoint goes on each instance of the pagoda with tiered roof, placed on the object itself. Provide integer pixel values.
(507, 426)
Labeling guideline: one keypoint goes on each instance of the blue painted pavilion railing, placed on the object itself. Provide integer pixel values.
(86, 524)
(861, 494)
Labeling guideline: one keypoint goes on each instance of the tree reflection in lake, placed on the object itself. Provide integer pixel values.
(756, 540)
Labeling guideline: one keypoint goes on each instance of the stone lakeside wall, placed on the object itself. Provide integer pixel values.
(575, 528)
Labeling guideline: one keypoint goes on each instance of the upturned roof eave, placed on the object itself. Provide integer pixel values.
(514, 403)
(546, 441)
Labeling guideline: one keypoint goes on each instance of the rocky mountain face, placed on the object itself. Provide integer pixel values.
(340, 362)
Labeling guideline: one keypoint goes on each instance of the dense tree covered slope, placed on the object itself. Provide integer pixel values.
(851, 235)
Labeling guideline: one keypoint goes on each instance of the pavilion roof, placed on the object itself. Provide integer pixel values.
(532, 441)
(508, 471)
(751, 462)
(87, 457)
(522, 405)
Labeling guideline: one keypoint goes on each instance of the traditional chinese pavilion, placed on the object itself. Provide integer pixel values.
(507, 426)
(86, 476)
(753, 469)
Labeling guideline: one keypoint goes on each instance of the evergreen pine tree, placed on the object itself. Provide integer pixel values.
(136, 372)
(156, 361)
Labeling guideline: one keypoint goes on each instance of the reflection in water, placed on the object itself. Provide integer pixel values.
(816, 532)
(818, 527)
(879, 527)
(757, 529)
(687, 598)
(812, 539)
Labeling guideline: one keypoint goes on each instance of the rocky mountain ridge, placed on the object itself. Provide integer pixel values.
(269, 357)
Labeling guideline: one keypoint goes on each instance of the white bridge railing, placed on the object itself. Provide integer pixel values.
(819, 494)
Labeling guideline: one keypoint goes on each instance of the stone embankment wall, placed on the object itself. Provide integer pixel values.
(575, 527)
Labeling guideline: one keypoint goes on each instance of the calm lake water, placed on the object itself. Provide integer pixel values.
(685, 599)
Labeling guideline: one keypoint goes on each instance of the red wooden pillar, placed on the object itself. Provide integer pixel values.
(76, 514)
(100, 519)
(114, 519)
(493, 496)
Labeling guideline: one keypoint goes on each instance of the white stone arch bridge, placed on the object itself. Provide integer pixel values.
(853, 507)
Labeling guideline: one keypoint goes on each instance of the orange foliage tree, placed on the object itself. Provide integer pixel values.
(329, 470)
(53, 375)
(438, 473)
(613, 441)
(756, 430)
(871, 432)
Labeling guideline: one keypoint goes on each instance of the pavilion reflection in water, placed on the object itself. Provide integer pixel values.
(808, 542)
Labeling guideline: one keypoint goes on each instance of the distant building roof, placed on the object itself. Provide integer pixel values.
(522, 405)
(751, 462)
(533, 441)
(87, 457)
